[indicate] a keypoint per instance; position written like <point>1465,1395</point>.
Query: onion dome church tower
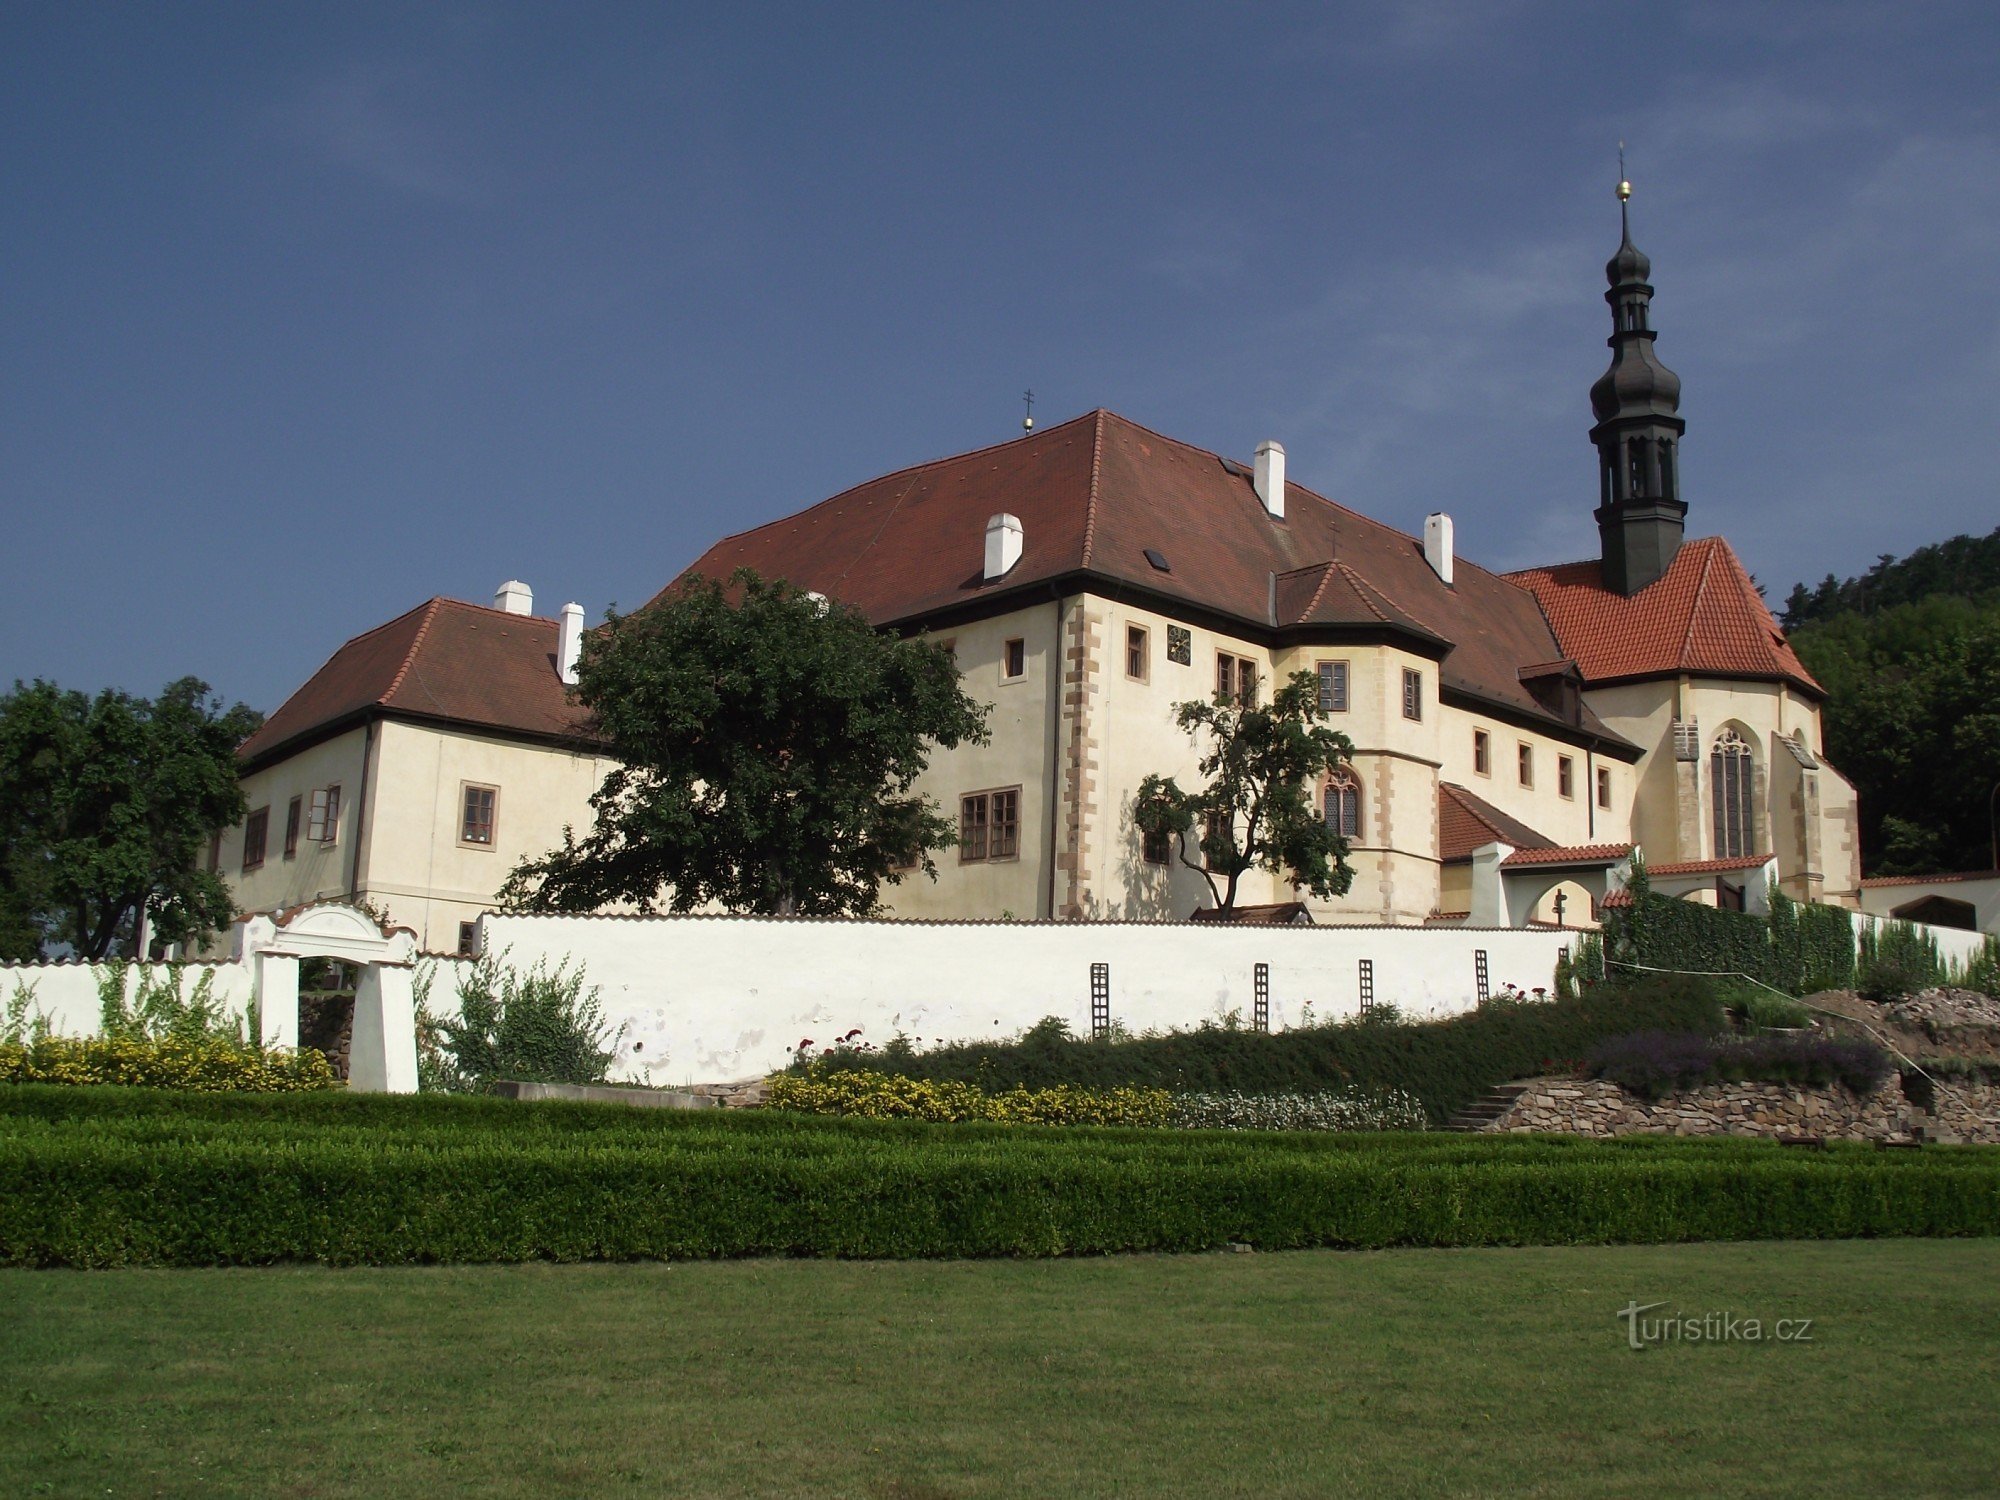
<point>1640,513</point>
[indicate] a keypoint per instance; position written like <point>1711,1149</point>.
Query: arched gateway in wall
<point>383,1055</point>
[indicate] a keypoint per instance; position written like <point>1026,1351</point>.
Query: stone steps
<point>1488,1107</point>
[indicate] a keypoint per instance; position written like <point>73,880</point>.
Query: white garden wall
<point>706,999</point>
<point>68,994</point>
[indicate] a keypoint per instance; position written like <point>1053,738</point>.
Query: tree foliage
<point>1262,766</point>
<point>1913,720</point>
<point>107,805</point>
<point>768,742</point>
<point>1965,567</point>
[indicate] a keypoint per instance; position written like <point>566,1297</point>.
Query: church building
<point>1519,738</point>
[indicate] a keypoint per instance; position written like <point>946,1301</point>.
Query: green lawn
<point>1418,1372</point>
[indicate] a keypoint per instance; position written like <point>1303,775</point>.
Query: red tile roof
<point>1465,822</point>
<point>1875,880</point>
<point>1093,495</point>
<point>444,660</point>
<point>1702,616</point>
<point>1574,854</point>
<point>1709,866</point>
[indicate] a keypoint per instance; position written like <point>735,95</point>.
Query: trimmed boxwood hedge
<point>1443,1064</point>
<point>113,1177</point>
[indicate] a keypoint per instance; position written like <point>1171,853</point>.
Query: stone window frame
<point>990,804</point>
<point>1345,779</point>
<point>1604,787</point>
<point>466,790</point>
<point>1566,777</point>
<point>1524,763</point>
<point>1336,684</point>
<point>1413,695</point>
<point>1482,753</point>
<point>1139,643</point>
<point>1014,659</point>
<point>1236,678</point>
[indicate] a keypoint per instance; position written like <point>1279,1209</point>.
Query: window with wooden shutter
<point>1413,694</point>
<point>972,828</point>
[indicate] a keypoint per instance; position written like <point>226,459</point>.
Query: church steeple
<point>1640,513</point>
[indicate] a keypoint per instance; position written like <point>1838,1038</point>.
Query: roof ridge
<point>1326,572</point>
<point>488,609</point>
<point>1096,473</point>
<point>416,645</point>
<point>929,463</point>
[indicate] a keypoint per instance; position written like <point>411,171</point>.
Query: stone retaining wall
<point>1592,1106</point>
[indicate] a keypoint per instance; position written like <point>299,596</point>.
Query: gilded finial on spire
<point>1624,187</point>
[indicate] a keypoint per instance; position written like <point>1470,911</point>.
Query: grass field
<point>1413,1372</point>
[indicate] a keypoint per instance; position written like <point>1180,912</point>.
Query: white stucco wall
<point>67,994</point>
<point>705,999</point>
<point>1981,894</point>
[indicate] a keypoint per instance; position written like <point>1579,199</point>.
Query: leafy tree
<point>1913,720</point>
<point>107,805</point>
<point>543,1026</point>
<point>767,744</point>
<point>1261,766</point>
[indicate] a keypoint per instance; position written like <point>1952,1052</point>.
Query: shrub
<point>882,1096</point>
<point>1655,1064</point>
<point>1442,1064</point>
<point>160,1006</point>
<point>537,1027</point>
<point>1769,1012</point>
<point>1330,1111</point>
<point>1897,959</point>
<point>107,1177</point>
<point>202,1063</point>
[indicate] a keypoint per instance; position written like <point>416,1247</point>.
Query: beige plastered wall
<point>414,863</point>
<point>316,870</point>
<point>1807,818</point>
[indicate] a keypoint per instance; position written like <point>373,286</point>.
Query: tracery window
<point>1731,779</point>
<point>1343,803</point>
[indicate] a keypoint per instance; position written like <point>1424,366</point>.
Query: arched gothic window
<point>1343,802</point>
<point>1730,767</point>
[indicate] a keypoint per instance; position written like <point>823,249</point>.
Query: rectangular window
<point>1236,678</point>
<point>989,826</point>
<point>1413,694</point>
<point>1603,786</point>
<point>468,937</point>
<point>254,829</point>
<point>1525,757</point>
<point>1153,847</point>
<point>1333,687</point>
<point>1565,777</point>
<point>475,824</point>
<point>1482,752</point>
<point>1215,840</point>
<point>214,852</point>
<point>323,822</point>
<point>292,816</point>
<point>1014,660</point>
<point>1135,652</point>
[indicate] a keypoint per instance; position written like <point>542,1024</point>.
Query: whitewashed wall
<point>1955,944</point>
<point>68,993</point>
<point>706,999</point>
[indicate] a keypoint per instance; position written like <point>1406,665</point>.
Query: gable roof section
<point>1093,495</point>
<point>1466,821</point>
<point>444,660</point>
<point>1703,615</point>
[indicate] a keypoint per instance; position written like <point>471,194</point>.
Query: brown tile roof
<point>445,660</point>
<point>1093,495</point>
<point>1278,913</point>
<point>1573,854</point>
<point>1465,822</point>
<point>1709,866</point>
<point>1702,616</point>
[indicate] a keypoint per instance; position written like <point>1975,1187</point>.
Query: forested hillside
<point>1910,652</point>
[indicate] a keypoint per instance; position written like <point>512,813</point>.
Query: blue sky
<point>311,312</point>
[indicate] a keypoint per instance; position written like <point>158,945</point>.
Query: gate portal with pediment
<point>383,1056</point>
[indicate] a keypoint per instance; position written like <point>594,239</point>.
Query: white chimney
<point>1437,543</point>
<point>1003,544</point>
<point>515,597</point>
<point>1271,478</point>
<point>569,641</point>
